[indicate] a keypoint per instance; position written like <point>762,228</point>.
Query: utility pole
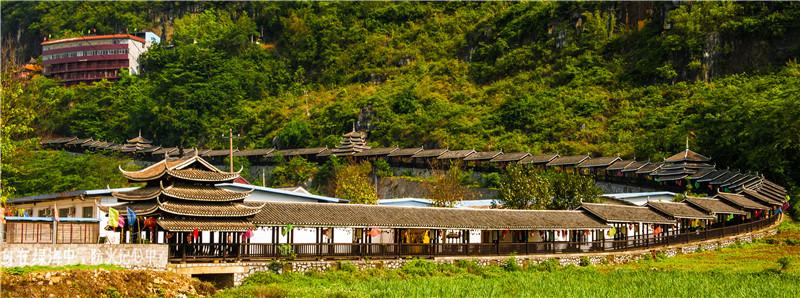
<point>230,140</point>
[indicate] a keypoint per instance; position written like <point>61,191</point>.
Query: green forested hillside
<point>633,79</point>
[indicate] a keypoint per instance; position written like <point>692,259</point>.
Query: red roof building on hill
<point>92,58</point>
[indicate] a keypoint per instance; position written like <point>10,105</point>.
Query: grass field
<point>28,269</point>
<point>767,268</point>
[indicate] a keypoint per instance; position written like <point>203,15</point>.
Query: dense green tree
<point>40,172</point>
<point>297,172</point>
<point>566,77</point>
<point>569,191</point>
<point>524,188</point>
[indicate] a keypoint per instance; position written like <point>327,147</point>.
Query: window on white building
<point>87,212</point>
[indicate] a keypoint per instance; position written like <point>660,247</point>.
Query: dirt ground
<point>102,283</point>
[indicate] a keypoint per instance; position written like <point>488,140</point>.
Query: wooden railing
<point>261,251</point>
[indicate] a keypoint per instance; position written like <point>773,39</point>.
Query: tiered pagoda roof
<point>682,165</point>
<point>136,144</point>
<point>182,193</point>
<point>352,142</point>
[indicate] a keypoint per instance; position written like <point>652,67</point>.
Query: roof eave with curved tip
<point>203,176</point>
<point>140,194</point>
<point>204,194</point>
<point>209,210</point>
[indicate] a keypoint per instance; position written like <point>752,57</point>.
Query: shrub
<point>490,180</point>
<point>785,262</point>
<point>286,250</point>
<point>511,264</point>
<point>382,168</point>
<point>262,278</point>
<point>419,267</point>
<point>548,265</point>
<point>471,267</point>
<point>275,266</point>
<point>112,292</point>
<point>347,267</point>
<point>585,261</point>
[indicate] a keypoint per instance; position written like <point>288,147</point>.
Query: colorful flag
<point>196,233</point>
<point>113,217</point>
<point>121,222</point>
<point>131,217</point>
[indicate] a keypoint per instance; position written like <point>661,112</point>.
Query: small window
<point>45,212</point>
<point>66,212</point>
<point>88,212</point>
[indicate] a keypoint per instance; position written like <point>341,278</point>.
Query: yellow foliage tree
<point>353,184</point>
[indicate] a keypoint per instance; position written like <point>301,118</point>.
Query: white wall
<point>135,49</point>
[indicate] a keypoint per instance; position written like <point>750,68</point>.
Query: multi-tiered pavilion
<point>181,195</point>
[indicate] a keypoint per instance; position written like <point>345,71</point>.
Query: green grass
<point>27,269</point>
<point>573,282</point>
<point>743,270</point>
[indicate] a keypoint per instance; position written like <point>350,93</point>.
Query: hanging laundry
<point>729,217</point>
<point>612,232</point>
<point>374,232</point>
<point>195,233</point>
<point>150,223</point>
<point>426,239</point>
<point>327,232</point>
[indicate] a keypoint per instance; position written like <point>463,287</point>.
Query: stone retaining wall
<point>134,256</point>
